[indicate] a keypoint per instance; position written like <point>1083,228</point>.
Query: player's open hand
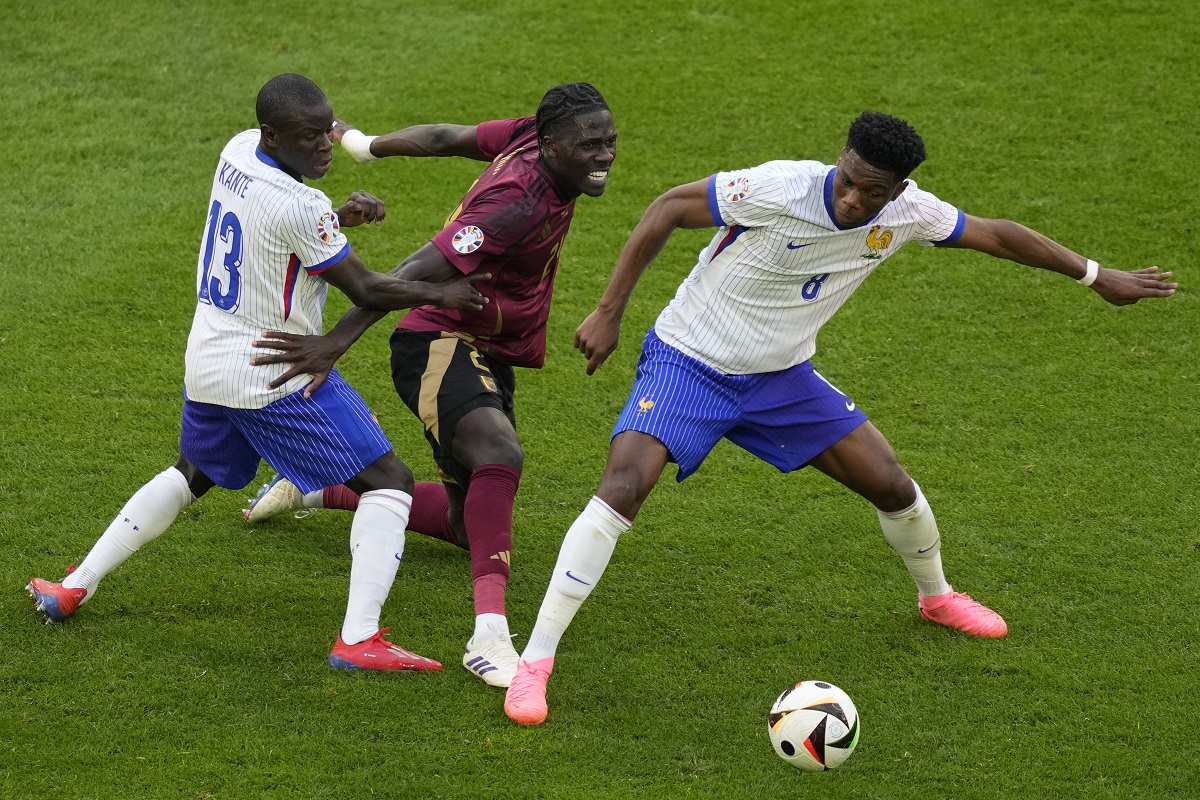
<point>597,338</point>
<point>361,207</point>
<point>312,355</point>
<point>460,292</point>
<point>1122,288</point>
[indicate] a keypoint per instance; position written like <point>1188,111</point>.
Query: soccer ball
<point>814,726</point>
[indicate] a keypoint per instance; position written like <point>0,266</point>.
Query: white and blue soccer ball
<point>814,726</point>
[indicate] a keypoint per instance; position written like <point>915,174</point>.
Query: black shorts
<point>441,377</point>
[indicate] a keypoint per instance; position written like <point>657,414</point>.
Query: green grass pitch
<point>1055,436</point>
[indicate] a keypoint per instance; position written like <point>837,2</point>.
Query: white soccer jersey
<point>781,266</point>
<point>267,238</point>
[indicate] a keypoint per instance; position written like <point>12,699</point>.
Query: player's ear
<point>900,189</point>
<point>548,147</point>
<point>268,135</point>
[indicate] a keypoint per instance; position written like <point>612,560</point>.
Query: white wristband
<point>1089,277</point>
<point>358,145</point>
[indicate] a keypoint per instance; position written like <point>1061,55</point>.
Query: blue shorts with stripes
<point>786,418</point>
<point>322,441</point>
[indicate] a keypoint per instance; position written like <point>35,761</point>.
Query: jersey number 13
<point>222,291</point>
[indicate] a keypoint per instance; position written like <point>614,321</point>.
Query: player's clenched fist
<point>362,207</point>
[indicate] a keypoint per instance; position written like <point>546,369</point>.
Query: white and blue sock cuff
<point>387,497</point>
<point>606,518</point>
<point>176,477</point>
<point>911,510</point>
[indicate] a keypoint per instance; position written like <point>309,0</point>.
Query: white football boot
<point>279,496</point>
<point>493,660</point>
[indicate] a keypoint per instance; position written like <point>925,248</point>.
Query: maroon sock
<point>430,515</point>
<point>489,593</point>
<point>341,497</point>
<point>488,517</point>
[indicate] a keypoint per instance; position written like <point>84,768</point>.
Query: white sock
<point>314,499</point>
<point>487,626</point>
<point>913,534</point>
<point>376,544</point>
<point>145,516</point>
<point>584,554</point>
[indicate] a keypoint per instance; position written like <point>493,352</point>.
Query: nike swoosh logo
<point>935,544</point>
<point>577,580</point>
<point>797,246</point>
<point>849,406</point>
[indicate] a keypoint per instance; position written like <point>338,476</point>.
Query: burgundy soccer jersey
<point>511,224</point>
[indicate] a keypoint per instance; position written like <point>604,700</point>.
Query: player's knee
<point>495,448</point>
<point>197,482</point>
<point>509,453</point>
<point>895,492</point>
<point>389,472</point>
<point>624,489</point>
<point>401,477</point>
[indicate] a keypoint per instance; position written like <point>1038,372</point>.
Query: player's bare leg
<point>635,461</point>
<point>865,463</point>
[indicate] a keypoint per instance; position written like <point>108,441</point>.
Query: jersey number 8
<point>812,287</point>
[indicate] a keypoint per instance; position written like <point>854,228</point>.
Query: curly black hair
<point>886,143</point>
<point>282,95</point>
<point>565,102</point>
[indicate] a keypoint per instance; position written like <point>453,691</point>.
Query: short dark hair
<point>565,102</point>
<point>280,96</point>
<point>886,143</point>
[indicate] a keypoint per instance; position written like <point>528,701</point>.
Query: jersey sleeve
<point>494,137</point>
<point>489,226</point>
<point>938,222</point>
<point>747,197</point>
<point>311,229</point>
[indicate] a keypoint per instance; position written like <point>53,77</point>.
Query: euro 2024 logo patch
<point>737,189</point>
<point>468,240</point>
<point>328,227</point>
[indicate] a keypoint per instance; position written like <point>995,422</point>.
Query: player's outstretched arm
<point>373,290</point>
<point>1007,239</point>
<point>417,141</point>
<point>684,206</point>
<point>426,273</point>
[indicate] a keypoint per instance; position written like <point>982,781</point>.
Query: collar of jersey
<point>270,162</point>
<point>545,172</point>
<point>829,205</point>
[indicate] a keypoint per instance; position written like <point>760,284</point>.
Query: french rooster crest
<point>877,242</point>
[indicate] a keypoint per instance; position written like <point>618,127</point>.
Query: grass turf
<point>1054,436</point>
